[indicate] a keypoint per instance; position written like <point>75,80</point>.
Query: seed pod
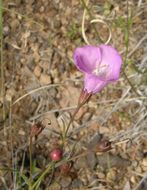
<point>56,154</point>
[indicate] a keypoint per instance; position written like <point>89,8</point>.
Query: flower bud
<point>56,154</point>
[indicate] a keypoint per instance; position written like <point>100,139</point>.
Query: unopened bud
<point>56,154</point>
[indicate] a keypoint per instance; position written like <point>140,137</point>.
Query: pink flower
<point>100,65</point>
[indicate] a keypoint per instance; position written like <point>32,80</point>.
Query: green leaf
<point>26,179</point>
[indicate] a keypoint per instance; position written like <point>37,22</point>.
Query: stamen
<point>100,70</point>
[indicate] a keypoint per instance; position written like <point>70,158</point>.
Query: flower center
<point>101,70</point>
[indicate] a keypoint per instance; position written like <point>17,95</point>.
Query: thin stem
<point>72,118</point>
<point>42,176</point>
<point>30,154</point>
<point>84,98</point>
<point>2,64</point>
<point>127,28</point>
<point>127,49</point>
<point>129,82</point>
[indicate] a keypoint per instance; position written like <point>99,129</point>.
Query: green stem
<point>36,184</point>
<point>30,153</point>
<point>72,118</point>
<point>129,82</point>
<point>127,49</point>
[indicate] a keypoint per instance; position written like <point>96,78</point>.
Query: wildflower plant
<point>100,66</point>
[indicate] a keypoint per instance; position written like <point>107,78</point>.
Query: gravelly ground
<point>39,40</point>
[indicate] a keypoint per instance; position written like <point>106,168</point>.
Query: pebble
<point>6,30</point>
<point>76,183</point>
<point>127,186</point>
<point>65,182</point>
<point>144,162</point>
<point>14,24</point>
<point>10,94</point>
<point>80,163</point>
<point>111,175</point>
<point>21,132</point>
<point>37,71</point>
<point>41,9</point>
<point>101,175</point>
<point>134,163</point>
<point>104,130</point>
<point>54,186</point>
<point>133,180</point>
<point>138,169</point>
<point>108,160</point>
<point>94,140</point>
<point>57,24</point>
<point>91,160</point>
<point>45,79</point>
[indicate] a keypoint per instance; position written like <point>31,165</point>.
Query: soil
<point>42,85</point>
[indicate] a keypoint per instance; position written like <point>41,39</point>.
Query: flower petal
<point>93,84</point>
<point>111,59</point>
<point>86,58</point>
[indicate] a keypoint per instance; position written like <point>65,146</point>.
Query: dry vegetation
<point>39,83</point>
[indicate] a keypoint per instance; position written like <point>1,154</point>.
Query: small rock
<point>91,160</point>
<point>127,186</point>
<point>57,24</point>
<point>138,169</point>
<point>94,140</point>
<point>37,71</point>
<point>133,180</point>
<point>134,163</point>
<point>14,24</point>
<point>80,163</point>
<point>45,79</point>
<point>111,175</point>
<point>104,130</point>
<point>108,160</point>
<point>65,182</point>
<point>76,183</point>
<point>54,186</point>
<point>10,94</point>
<point>41,9</point>
<point>101,175</point>
<point>144,162</point>
<point>21,132</point>
<point>6,30</point>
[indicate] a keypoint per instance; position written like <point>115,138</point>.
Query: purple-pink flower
<point>100,65</point>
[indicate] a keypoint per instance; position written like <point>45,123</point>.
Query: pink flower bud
<point>56,154</point>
